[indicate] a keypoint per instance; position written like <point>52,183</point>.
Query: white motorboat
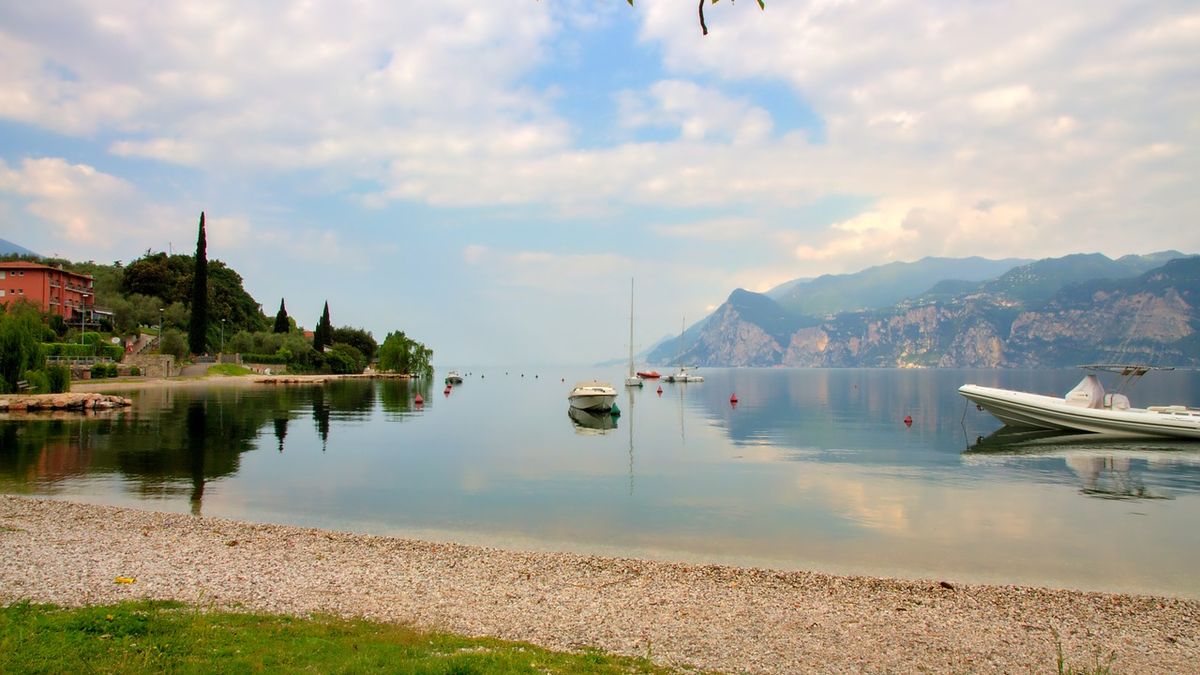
<point>594,395</point>
<point>1087,408</point>
<point>682,375</point>
<point>453,377</point>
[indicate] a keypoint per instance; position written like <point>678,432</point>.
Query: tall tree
<point>198,327</point>
<point>323,335</point>
<point>281,319</point>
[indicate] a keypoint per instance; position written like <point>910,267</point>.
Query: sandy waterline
<point>720,617</point>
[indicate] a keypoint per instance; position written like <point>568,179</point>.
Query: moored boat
<point>593,395</point>
<point>632,380</point>
<point>682,375</point>
<point>453,377</point>
<point>648,374</point>
<point>1087,408</point>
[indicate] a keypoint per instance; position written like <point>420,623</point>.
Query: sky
<point>489,176</point>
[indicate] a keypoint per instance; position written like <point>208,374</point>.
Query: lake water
<point>813,469</point>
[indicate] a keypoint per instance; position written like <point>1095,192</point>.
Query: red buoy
<point>733,398</point>
<point>908,420</point>
<point>419,400</point>
<point>660,390</point>
<point>447,391</point>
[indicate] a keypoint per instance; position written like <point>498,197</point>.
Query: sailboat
<point>682,374</point>
<point>632,380</point>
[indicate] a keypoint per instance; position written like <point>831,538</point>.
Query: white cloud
<point>1075,121</point>
<point>75,202</point>
<point>716,229</point>
<point>698,112</point>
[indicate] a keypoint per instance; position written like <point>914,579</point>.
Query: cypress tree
<point>323,335</point>
<point>198,327</point>
<point>281,319</point>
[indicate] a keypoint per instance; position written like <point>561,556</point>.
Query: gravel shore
<point>714,617</point>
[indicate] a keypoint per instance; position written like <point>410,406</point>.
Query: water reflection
<point>1104,467</point>
<point>173,443</point>
<point>591,422</point>
<point>811,469</point>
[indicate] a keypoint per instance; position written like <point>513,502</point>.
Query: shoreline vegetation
<point>678,615</point>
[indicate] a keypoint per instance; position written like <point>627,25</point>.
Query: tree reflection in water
<point>174,442</point>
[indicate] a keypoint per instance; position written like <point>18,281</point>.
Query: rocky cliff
<point>1153,317</point>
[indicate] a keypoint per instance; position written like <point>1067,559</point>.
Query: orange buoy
<point>908,420</point>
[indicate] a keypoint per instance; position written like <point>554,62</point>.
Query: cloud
<point>84,207</point>
<point>716,229</point>
<point>697,112</point>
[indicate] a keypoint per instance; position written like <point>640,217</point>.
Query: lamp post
<point>222,336</point>
<point>160,317</point>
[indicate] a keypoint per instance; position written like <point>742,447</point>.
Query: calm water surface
<point>813,469</point>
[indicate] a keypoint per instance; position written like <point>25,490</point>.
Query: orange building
<point>53,289</point>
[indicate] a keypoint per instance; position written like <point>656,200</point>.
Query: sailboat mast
<point>630,326</point>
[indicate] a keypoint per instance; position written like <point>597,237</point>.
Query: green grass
<point>228,369</point>
<point>157,636</point>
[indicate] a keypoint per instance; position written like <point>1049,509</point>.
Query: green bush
<point>60,379</point>
<point>92,338</point>
<point>135,371</point>
<point>21,337</point>
<point>99,370</point>
<point>268,359</point>
<point>345,359</point>
<point>112,370</point>
<point>172,342</point>
<point>76,350</point>
<point>39,382</point>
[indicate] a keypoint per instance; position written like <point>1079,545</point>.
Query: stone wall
<point>153,365</point>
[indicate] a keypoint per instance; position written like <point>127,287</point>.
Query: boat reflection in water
<point>591,421</point>
<point>1105,466</point>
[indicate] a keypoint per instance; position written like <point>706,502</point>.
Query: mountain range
<point>966,312</point>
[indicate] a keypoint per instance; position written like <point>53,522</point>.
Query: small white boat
<point>682,375</point>
<point>453,377</point>
<point>594,395</point>
<point>1087,408</point>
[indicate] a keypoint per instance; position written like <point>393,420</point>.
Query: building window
<point>3,274</point>
<point>1,293</point>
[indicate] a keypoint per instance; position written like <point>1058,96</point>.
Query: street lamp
<point>222,336</point>
<point>160,315</point>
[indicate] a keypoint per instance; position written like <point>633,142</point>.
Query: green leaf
<point>761,4</point>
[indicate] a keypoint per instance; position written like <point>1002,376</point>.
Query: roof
<point>20,264</point>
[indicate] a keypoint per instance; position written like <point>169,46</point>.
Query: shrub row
<point>267,359</point>
<point>104,370</point>
<point>74,350</point>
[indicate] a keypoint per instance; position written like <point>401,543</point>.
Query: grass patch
<point>229,369</point>
<point>153,635</point>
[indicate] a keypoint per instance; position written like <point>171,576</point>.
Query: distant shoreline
<point>711,616</point>
<point>128,384</point>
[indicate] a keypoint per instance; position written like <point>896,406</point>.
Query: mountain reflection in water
<point>813,469</point>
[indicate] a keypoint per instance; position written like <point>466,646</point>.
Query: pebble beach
<point>713,617</point>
